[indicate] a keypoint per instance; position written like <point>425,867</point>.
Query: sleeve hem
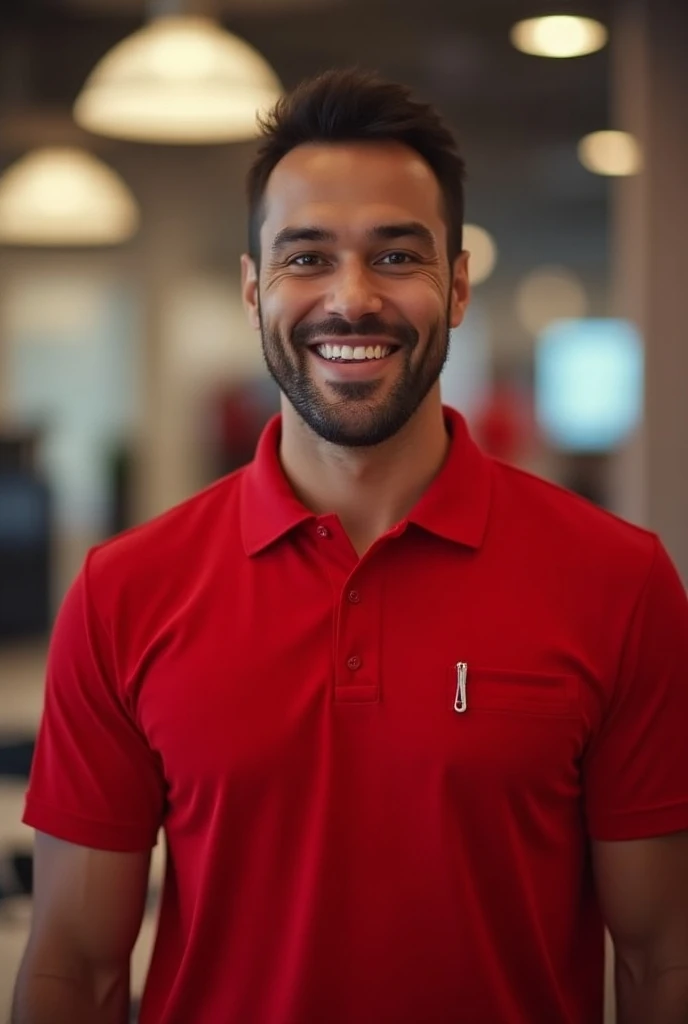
<point>640,824</point>
<point>84,832</point>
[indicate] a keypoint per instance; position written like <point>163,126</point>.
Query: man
<point>414,722</point>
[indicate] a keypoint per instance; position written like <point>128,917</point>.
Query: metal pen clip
<point>460,701</point>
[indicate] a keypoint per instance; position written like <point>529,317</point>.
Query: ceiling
<point>517,118</point>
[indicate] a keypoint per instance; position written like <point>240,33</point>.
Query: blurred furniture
<point>24,541</point>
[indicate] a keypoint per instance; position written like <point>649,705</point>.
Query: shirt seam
<point>113,683</point>
<point>628,633</point>
<point>90,603</point>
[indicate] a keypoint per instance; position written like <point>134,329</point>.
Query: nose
<point>352,293</point>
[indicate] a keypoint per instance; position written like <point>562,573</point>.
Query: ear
<point>249,290</point>
<point>460,289</point>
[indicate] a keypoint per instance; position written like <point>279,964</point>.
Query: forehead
<point>345,185</point>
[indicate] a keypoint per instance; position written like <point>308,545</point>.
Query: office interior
<point>129,376</point>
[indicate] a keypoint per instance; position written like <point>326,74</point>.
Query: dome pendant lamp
<point>181,79</point>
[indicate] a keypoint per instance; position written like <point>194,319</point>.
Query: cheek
<point>423,302</point>
<point>290,301</point>
<point>425,317</point>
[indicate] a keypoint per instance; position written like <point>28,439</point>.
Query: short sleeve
<point>636,769</point>
<point>94,779</point>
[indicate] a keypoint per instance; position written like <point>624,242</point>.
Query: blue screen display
<point>589,383</point>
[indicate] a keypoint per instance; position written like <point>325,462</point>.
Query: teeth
<point>360,353</point>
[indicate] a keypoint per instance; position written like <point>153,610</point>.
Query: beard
<point>355,417</point>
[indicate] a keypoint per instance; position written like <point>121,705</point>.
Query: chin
<point>356,431</point>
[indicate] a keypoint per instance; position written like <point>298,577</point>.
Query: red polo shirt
<point>345,846</point>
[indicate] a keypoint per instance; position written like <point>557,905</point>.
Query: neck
<point>369,489</point>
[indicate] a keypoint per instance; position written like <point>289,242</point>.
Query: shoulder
<point>171,547</point>
<point>573,531</point>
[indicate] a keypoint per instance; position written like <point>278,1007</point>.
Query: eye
<point>396,259</point>
<point>305,259</point>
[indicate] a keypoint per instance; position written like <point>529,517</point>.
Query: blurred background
<point>129,378</point>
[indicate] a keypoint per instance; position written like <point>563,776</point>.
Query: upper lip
<point>353,341</point>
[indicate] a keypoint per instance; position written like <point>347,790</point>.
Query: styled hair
<point>357,106</point>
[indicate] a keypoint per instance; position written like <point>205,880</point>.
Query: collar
<point>455,506</point>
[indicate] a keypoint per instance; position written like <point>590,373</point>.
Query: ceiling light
<point>616,154</point>
<point>483,253</point>
<point>548,294</point>
<point>559,35</point>
<point>179,79</point>
<point>64,196</point>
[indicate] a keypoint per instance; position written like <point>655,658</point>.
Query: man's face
<point>355,296</point>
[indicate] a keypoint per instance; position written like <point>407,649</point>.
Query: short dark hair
<point>357,106</point>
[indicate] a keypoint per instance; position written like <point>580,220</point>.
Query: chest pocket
<point>519,741</point>
<point>500,691</point>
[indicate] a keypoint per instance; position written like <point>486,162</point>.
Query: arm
<point>88,907</point>
<point>643,891</point>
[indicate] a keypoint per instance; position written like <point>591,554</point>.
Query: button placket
<point>354,662</point>
<point>357,652</point>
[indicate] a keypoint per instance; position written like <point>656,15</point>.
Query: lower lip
<point>363,369</point>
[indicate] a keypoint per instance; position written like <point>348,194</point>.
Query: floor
<point>21,695</point>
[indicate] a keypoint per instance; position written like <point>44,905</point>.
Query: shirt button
<point>354,597</point>
<point>323,532</point>
<point>354,663</point>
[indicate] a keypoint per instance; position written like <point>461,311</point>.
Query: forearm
<point>63,997</point>
<point>652,997</point>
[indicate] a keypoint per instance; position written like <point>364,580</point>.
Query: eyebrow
<point>287,236</point>
<point>409,229</point>
<point>381,232</point>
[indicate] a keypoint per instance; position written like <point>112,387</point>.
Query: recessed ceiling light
<point>559,35</point>
<point>483,252</point>
<point>547,294</point>
<point>615,154</point>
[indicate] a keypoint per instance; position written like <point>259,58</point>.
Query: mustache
<point>402,334</point>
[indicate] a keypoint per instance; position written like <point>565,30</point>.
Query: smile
<point>349,354</point>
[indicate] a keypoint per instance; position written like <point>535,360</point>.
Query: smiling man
<point>355,364</point>
<point>413,721</point>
